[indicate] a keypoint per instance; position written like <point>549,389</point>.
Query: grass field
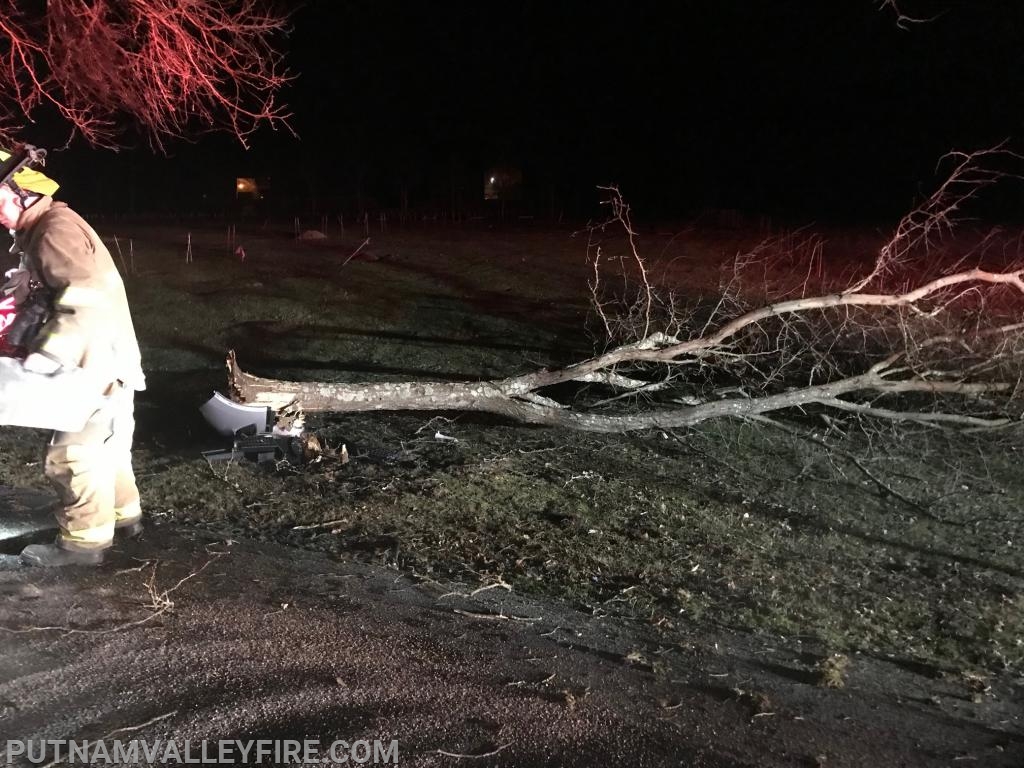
<point>729,524</point>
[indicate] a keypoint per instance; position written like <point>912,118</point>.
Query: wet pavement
<point>184,635</point>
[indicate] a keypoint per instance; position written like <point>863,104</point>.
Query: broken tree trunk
<point>842,349</point>
<point>514,398</point>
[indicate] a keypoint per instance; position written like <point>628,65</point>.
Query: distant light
<point>241,185</point>
<point>492,179</point>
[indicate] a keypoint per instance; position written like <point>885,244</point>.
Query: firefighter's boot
<point>57,556</point>
<point>128,527</point>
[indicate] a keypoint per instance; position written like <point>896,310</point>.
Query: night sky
<point>817,109</point>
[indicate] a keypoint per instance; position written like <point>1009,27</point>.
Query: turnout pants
<point>92,471</point>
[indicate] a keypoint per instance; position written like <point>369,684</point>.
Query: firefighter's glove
<point>40,363</point>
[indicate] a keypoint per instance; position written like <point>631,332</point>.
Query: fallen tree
<point>897,343</point>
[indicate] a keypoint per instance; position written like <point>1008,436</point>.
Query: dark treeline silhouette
<point>809,111</point>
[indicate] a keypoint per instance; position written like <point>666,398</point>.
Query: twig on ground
<point>312,526</point>
<point>461,756</point>
<point>524,683</point>
<point>353,254</point>
<point>161,600</point>
<point>882,484</point>
<point>497,616</point>
<point>160,603</point>
<point>126,729</point>
<point>431,422</point>
<point>140,726</point>
<point>500,583</point>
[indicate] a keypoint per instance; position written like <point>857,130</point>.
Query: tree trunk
<point>514,398</point>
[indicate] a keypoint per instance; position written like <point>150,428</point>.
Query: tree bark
<point>513,398</point>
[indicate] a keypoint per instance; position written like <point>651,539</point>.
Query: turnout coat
<point>88,331</point>
<point>90,326</point>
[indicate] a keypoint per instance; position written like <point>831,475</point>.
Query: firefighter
<point>88,326</point>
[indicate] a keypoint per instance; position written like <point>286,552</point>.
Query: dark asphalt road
<point>184,636</point>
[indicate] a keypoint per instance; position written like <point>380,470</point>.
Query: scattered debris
<point>831,671</point>
<point>756,700</point>
<point>260,447</point>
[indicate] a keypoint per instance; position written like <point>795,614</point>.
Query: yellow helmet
<point>31,180</point>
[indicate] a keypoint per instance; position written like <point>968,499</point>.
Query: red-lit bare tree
<point>916,338</point>
<point>173,68</point>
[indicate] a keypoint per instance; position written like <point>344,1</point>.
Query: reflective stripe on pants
<point>92,472</point>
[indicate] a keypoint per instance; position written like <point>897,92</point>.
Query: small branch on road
<point>461,756</point>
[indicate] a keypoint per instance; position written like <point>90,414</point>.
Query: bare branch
<point>173,67</point>
<point>939,213</point>
<point>904,20</point>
